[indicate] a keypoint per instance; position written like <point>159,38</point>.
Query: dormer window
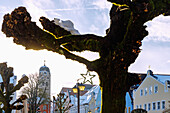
<point>167,85</point>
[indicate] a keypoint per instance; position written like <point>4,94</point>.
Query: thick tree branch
<point>72,56</point>
<point>21,83</point>
<point>119,1</point>
<point>53,28</point>
<point>82,42</point>
<point>26,33</point>
<point>72,42</point>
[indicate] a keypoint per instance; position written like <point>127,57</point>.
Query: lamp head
<point>81,87</point>
<point>75,90</point>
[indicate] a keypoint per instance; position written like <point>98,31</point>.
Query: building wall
<point>45,108</point>
<point>45,76</point>
<point>146,95</point>
<point>128,107</point>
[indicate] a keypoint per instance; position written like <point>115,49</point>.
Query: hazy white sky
<point>88,16</point>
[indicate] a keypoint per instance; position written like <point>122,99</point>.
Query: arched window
<point>44,107</point>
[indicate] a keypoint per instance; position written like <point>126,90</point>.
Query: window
<point>153,106</point>
<point>146,90</point>
<point>46,83</point>
<point>149,107</point>
<point>158,105</point>
<point>150,90</point>
<point>141,92</point>
<point>136,106</point>
<point>44,107</point>
<point>145,107</point>
<point>163,104</point>
<point>42,83</point>
<point>156,89</point>
<point>140,106</point>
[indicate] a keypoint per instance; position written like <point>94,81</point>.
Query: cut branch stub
<point>19,26</point>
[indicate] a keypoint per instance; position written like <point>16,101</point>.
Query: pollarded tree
<point>35,92</point>
<point>7,89</point>
<point>117,50</point>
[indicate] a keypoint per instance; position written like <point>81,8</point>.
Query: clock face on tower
<point>45,73</point>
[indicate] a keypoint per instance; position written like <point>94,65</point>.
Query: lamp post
<point>89,111</point>
<point>76,89</point>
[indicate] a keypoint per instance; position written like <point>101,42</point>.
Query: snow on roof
<point>162,78</point>
<point>87,96</point>
<point>67,25</point>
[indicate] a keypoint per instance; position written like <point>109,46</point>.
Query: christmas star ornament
<point>88,77</point>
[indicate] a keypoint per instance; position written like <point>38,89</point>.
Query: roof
<point>87,88</point>
<point>87,96</point>
<point>67,25</point>
<point>162,78</point>
<point>158,77</point>
<point>44,68</point>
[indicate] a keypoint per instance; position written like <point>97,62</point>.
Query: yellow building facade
<point>153,94</point>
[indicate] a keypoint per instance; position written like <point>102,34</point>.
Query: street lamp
<point>76,89</point>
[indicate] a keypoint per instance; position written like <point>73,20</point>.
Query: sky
<point>88,16</point>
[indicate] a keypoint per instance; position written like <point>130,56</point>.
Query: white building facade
<point>153,94</point>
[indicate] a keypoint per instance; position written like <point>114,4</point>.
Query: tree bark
<point>7,108</point>
<point>113,87</point>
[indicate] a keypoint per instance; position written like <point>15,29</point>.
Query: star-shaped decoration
<point>88,77</point>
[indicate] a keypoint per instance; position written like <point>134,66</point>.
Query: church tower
<point>45,76</point>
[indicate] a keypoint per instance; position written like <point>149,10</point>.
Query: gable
<point>147,83</point>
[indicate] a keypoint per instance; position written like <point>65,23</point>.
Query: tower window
<point>46,83</point>
<point>44,107</point>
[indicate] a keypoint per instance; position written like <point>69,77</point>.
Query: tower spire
<point>149,67</point>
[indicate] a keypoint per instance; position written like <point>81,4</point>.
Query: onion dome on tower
<point>44,68</point>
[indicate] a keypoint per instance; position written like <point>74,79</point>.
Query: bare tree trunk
<point>114,87</point>
<point>7,108</point>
